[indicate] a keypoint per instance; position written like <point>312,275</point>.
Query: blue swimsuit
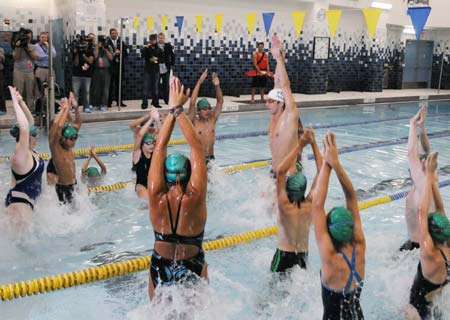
<point>28,186</point>
<point>344,304</point>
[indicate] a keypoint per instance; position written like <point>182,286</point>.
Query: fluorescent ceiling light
<point>381,5</point>
<point>409,31</point>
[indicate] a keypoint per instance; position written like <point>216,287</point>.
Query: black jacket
<point>116,59</point>
<point>168,56</point>
<point>149,52</point>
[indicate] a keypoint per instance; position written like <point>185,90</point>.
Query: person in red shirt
<point>261,65</point>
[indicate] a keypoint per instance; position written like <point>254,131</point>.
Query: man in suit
<point>152,54</point>
<point>114,43</point>
<point>165,65</point>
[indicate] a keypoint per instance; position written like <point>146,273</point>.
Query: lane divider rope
<point>122,147</point>
<point>110,270</point>
<point>265,163</point>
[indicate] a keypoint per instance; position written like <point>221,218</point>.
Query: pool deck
<point>242,103</point>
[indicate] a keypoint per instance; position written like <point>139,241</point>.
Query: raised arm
<point>197,181</point>
<point>415,165</point>
<point>138,140</point>
<point>281,76</point>
<point>427,247</point>
<point>99,161</point>
<point>193,101</point>
<point>22,155</point>
<point>25,109</point>
<point>317,158</point>
<point>424,141</point>
<point>73,102</point>
<point>86,164</point>
<point>331,157</point>
<point>136,122</point>
<point>58,123</point>
<point>324,242</point>
<point>219,96</point>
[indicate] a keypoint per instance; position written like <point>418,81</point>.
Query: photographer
<point>152,55</point>
<point>24,55</point>
<point>102,76</point>
<point>82,70</point>
<point>165,65</point>
<point>41,72</point>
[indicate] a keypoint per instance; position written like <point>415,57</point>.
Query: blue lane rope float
<point>97,273</point>
<point>123,147</point>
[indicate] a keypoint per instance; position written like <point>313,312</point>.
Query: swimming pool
<point>114,225</point>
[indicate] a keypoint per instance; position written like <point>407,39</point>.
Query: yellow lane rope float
<point>105,149</point>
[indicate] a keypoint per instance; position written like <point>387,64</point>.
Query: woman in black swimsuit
<point>341,242</point>
<point>433,271</point>
<point>177,196</point>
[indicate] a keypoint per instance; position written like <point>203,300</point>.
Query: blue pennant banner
<point>419,16</point>
<point>180,20</point>
<point>268,18</point>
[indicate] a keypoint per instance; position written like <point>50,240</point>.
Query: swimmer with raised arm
<point>433,271</point>
<point>177,199</point>
<point>283,111</point>
<point>204,120</point>
<point>62,139</point>
<point>92,173</point>
<point>341,242</point>
<point>417,152</point>
<point>294,209</point>
<point>26,166</point>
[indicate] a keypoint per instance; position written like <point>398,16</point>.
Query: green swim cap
<point>92,172</point>
<point>148,137</point>
<point>203,104</point>
<point>15,130</point>
<point>177,163</point>
<point>68,131</point>
<point>423,156</point>
<point>439,227</point>
<point>340,224</point>
<point>296,186</point>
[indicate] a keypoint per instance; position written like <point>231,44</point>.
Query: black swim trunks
<point>409,245</point>
<point>283,260</point>
<point>165,271</point>
<point>65,192</point>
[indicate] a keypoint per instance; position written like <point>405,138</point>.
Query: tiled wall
<point>356,62</point>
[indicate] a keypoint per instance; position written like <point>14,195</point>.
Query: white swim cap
<point>277,95</point>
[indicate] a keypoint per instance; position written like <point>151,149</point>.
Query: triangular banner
<point>372,16</point>
<point>180,20</point>
<point>135,23</point>
<point>219,21</point>
<point>299,18</point>
<point>164,20</point>
<point>268,18</point>
<point>251,20</point>
<point>333,16</point>
<point>199,21</point>
<point>419,17</point>
<point>149,23</point>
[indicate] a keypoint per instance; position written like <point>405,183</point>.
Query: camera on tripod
<point>23,35</point>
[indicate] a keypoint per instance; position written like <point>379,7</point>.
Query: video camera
<point>23,36</point>
<point>103,40</point>
<point>81,43</point>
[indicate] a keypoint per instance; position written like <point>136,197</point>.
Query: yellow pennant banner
<point>199,21</point>
<point>372,16</point>
<point>135,23</point>
<point>164,20</point>
<point>333,16</point>
<point>149,23</point>
<point>219,21</point>
<point>251,20</point>
<point>299,18</point>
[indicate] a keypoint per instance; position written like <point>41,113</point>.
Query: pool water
<point>112,226</point>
